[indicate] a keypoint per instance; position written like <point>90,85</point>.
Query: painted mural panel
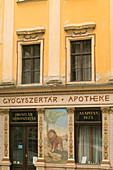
<point>56,135</point>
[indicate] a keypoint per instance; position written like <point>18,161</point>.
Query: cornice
<point>78,29</point>
<point>28,33</point>
<point>63,89</point>
<point>87,25</point>
<point>24,1</point>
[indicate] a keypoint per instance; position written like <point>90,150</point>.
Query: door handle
<point>26,155</point>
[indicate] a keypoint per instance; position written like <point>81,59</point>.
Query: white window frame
<point>68,57</point>
<point>19,66</point>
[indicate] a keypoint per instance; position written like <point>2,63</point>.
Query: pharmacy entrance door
<point>23,146</point>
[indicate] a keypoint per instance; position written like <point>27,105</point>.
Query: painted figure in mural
<point>54,140</point>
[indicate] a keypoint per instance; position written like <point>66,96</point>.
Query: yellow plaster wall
<point>35,14</point>
<point>1,35</point>
<point>98,11</point>
<point>30,15</point>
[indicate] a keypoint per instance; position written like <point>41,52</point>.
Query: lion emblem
<point>54,140</point>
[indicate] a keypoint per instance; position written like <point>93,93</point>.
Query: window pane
<point>86,61</point>
<point>76,68</point>
<point>76,75</point>
<point>36,64</point>
<point>86,45</point>
<point>75,47</point>
<point>17,145</point>
<point>26,51</point>
<point>36,50</point>
<point>36,77</point>
<point>97,145</point>
<point>32,144</point>
<point>26,65</point>
<point>89,144</point>
<point>27,77</point>
<point>87,74</point>
<point>86,67</point>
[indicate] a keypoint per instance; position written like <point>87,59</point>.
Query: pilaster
<point>6,161</point>
<point>105,131</point>
<point>40,161</point>
<point>54,40</point>
<point>71,158</point>
<point>8,41</point>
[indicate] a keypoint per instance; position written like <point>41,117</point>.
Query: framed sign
<point>23,116</point>
<point>88,114</point>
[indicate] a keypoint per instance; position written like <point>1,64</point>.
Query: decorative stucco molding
<point>81,28</point>
<point>30,33</point>
<point>40,136</point>
<point>71,159</point>
<point>6,137</point>
<point>105,125</point>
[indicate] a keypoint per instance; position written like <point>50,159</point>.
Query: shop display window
<point>88,136</point>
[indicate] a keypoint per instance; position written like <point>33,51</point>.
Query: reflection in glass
<point>17,145</point>
<point>87,46</point>
<point>75,47</point>
<point>36,50</point>
<point>27,51</point>
<point>26,65</point>
<point>27,77</point>
<point>36,77</point>
<point>32,144</point>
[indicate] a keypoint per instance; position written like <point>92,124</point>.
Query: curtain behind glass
<point>84,144</point>
<point>97,145</point>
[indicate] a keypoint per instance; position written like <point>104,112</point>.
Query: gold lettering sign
<point>24,117</point>
<point>88,115</point>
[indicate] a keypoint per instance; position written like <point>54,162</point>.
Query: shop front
<point>64,131</point>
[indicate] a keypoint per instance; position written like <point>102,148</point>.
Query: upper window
<point>30,64</point>
<point>81,60</point>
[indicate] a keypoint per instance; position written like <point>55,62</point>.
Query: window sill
<point>81,82</point>
<point>94,166</point>
<point>23,1</point>
<point>29,85</point>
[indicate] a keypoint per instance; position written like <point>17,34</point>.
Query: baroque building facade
<point>56,84</point>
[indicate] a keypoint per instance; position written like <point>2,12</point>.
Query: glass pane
<point>26,51</point>
<point>86,61</point>
<point>76,75</point>
<point>17,145</point>
<point>36,50</point>
<point>77,62</point>
<point>97,145</point>
<point>89,145</point>
<point>32,144</point>
<point>75,47</point>
<point>36,76</point>
<point>36,64</point>
<point>86,46</point>
<point>27,77</point>
<point>76,68</point>
<point>87,74</point>
<point>26,65</point>
<point>87,67</point>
